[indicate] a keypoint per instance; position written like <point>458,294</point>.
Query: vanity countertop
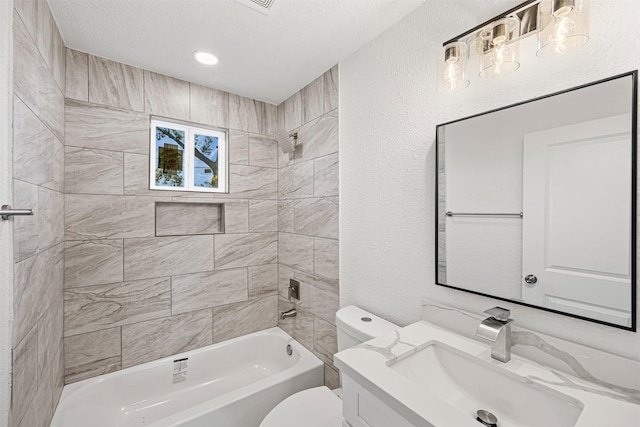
<point>368,364</point>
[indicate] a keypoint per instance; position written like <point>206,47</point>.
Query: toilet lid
<point>315,407</point>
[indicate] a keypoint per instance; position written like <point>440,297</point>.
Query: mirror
<point>536,202</point>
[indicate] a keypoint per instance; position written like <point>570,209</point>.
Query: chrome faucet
<point>288,313</point>
<point>497,329</point>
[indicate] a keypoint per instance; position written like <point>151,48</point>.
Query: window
<point>187,158</point>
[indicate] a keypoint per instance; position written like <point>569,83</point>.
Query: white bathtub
<point>231,384</point>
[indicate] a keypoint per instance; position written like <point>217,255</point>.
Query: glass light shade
<point>452,67</point>
<point>563,27</point>
<point>500,48</point>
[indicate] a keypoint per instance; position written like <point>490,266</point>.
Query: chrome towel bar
<point>6,212</point>
<point>508,215</point>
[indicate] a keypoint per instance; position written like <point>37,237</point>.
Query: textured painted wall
<point>308,218</point>
<point>389,108</point>
<point>38,138</point>
<point>145,281</point>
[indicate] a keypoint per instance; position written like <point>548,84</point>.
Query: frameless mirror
<point>536,202</point>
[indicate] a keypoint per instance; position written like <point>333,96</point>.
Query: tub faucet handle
<point>294,289</point>
<point>498,313</point>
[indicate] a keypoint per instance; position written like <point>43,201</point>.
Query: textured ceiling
<point>265,57</point>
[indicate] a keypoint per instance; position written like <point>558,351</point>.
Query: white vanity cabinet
<point>360,408</point>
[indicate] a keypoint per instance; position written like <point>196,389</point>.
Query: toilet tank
<point>356,326</point>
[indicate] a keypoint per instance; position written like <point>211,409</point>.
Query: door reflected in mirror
<point>536,202</point>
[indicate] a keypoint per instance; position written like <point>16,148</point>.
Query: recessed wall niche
<point>180,219</point>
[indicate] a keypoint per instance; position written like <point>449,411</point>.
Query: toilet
<point>320,406</point>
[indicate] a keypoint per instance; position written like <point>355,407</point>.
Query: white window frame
<point>190,130</point>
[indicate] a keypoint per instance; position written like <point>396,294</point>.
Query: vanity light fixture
<point>564,27</point>
<point>561,27</point>
<point>452,67</point>
<point>205,58</point>
<point>500,48</point>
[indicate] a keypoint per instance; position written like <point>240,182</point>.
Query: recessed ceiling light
<point>205,57</point>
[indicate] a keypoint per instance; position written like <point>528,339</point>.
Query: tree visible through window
<point>187,158</point>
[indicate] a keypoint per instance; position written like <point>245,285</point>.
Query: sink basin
<point>471,384</point>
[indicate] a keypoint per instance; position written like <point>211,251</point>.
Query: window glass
<point>205,171</point>
<point>170,157</point>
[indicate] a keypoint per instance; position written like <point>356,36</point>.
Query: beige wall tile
<point>93,262</point>
<point>263,215</point>
<point>313,100</point>
<point>263,151</point>
<point>59,61</point>
<point>236,216</point>
<point>234,320</point>
<point>40,409</point>
<point>319,296</point>
<point>331,89</point>
<point>325,176</point>
<point>45,31</point>
<point>296,251</point>
<point>25,374</point>
<point>77,75</point>
<point>92,171</point>
<point>317,217</point>
<point>26,61</point>
<point>326,258</point>
<point>115,84</point>
<point>166,96</point>
<point>106,128</point>
<point>104,217</point>
<point>92,308</point>
<point>253,182</point>
<point>238,147</point>
<point>263,280</point>
<point>92,354</point>
<point>245,114</point>
<point>286,214</point>
<point>245,249</point>
<point>331,377</point>
<point>27,296</point>
<point>50,332</point>
<point>192,292</point>
<point>50,102</point>
<point>325,340</point>
<point>293,112</point>
<point>209,106</point>
<point>296,181</point>
<point>318,137</point>
<point>146,341</point>
<point>166,256</point>
<point>269,119</point>
<point>280,116</point>
<point>28,12</point>
<point>33,145</point>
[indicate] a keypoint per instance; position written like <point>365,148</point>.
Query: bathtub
<point>233,383</point>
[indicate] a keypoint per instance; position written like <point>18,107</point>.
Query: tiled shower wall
<point>38,155</point>
<point>308,218</point>
<point>136,288</point>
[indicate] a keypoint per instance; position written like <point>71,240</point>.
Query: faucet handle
<point>498,313</point>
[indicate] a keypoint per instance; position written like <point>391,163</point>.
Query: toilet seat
<point>314,407</point>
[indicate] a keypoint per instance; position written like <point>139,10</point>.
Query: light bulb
<point>562,29</point>
<point>452,73</point>
<point>498,56</point>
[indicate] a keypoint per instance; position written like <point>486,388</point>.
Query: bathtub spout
<point>288,313</point>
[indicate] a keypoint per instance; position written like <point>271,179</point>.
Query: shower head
<point>286,141</point>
